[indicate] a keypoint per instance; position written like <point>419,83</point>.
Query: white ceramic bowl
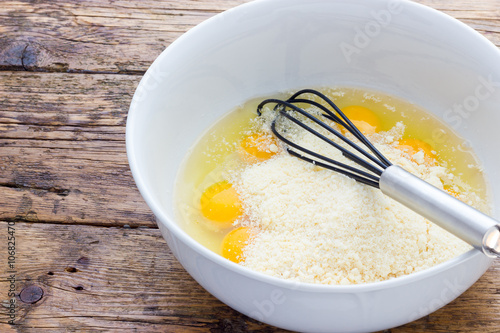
<point>265,47</point>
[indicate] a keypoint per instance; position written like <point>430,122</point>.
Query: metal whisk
<point>462,220</point>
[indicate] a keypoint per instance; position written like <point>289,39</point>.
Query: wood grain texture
<point>68,69</point>
<point>62,149</point>
<point>126,280</point>
<point>126,36</point>
<point>97,279</point>
<point>95,36</point>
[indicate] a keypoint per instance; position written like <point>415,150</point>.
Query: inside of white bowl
<point>394,47</point>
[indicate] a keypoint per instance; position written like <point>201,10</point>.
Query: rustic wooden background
<point>88,254</point>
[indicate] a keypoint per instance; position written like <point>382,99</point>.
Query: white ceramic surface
<point>268,46</point>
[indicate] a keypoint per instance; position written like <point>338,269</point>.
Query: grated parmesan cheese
<point>319,226</point>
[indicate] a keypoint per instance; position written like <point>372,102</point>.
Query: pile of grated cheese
<point>319,226</point>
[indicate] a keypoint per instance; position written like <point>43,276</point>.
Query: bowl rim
<point>184,237</point>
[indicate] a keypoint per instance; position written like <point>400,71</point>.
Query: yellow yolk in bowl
<point>451,191</point>
<point>234,243</point>
<point>221,203</point>
<point>258,147</point>
<point>363,118</point>
<point>413,146</point>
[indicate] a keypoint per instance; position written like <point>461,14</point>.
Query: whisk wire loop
<point>339,121</point>
<point>344,151</point>
<point>284,108</point>
<point>324,158</point>
<point>361,179</point>
<point>351,128</point>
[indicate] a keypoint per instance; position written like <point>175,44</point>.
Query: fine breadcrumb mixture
<point>315,225</point>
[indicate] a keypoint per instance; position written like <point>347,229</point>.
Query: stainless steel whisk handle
<point>451,214</point>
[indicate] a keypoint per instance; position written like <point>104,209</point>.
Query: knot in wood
<point>31,294</point>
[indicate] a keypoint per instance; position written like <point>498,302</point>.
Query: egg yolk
<point>451,191</point>
<point>363,118</point>
<point>413,146</point>
<point>220,203</point>
<point>234,243</point>
<point>258,147</point>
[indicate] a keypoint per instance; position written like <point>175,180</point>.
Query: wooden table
<point>88,255</point>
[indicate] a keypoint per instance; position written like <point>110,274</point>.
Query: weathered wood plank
<point>71,100</point>
<point>119,36</point>
<point>482,16</point>
<point>126,36</point>
<point>62,155</point>
<point>99,279</point>
<point>122,279</point>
